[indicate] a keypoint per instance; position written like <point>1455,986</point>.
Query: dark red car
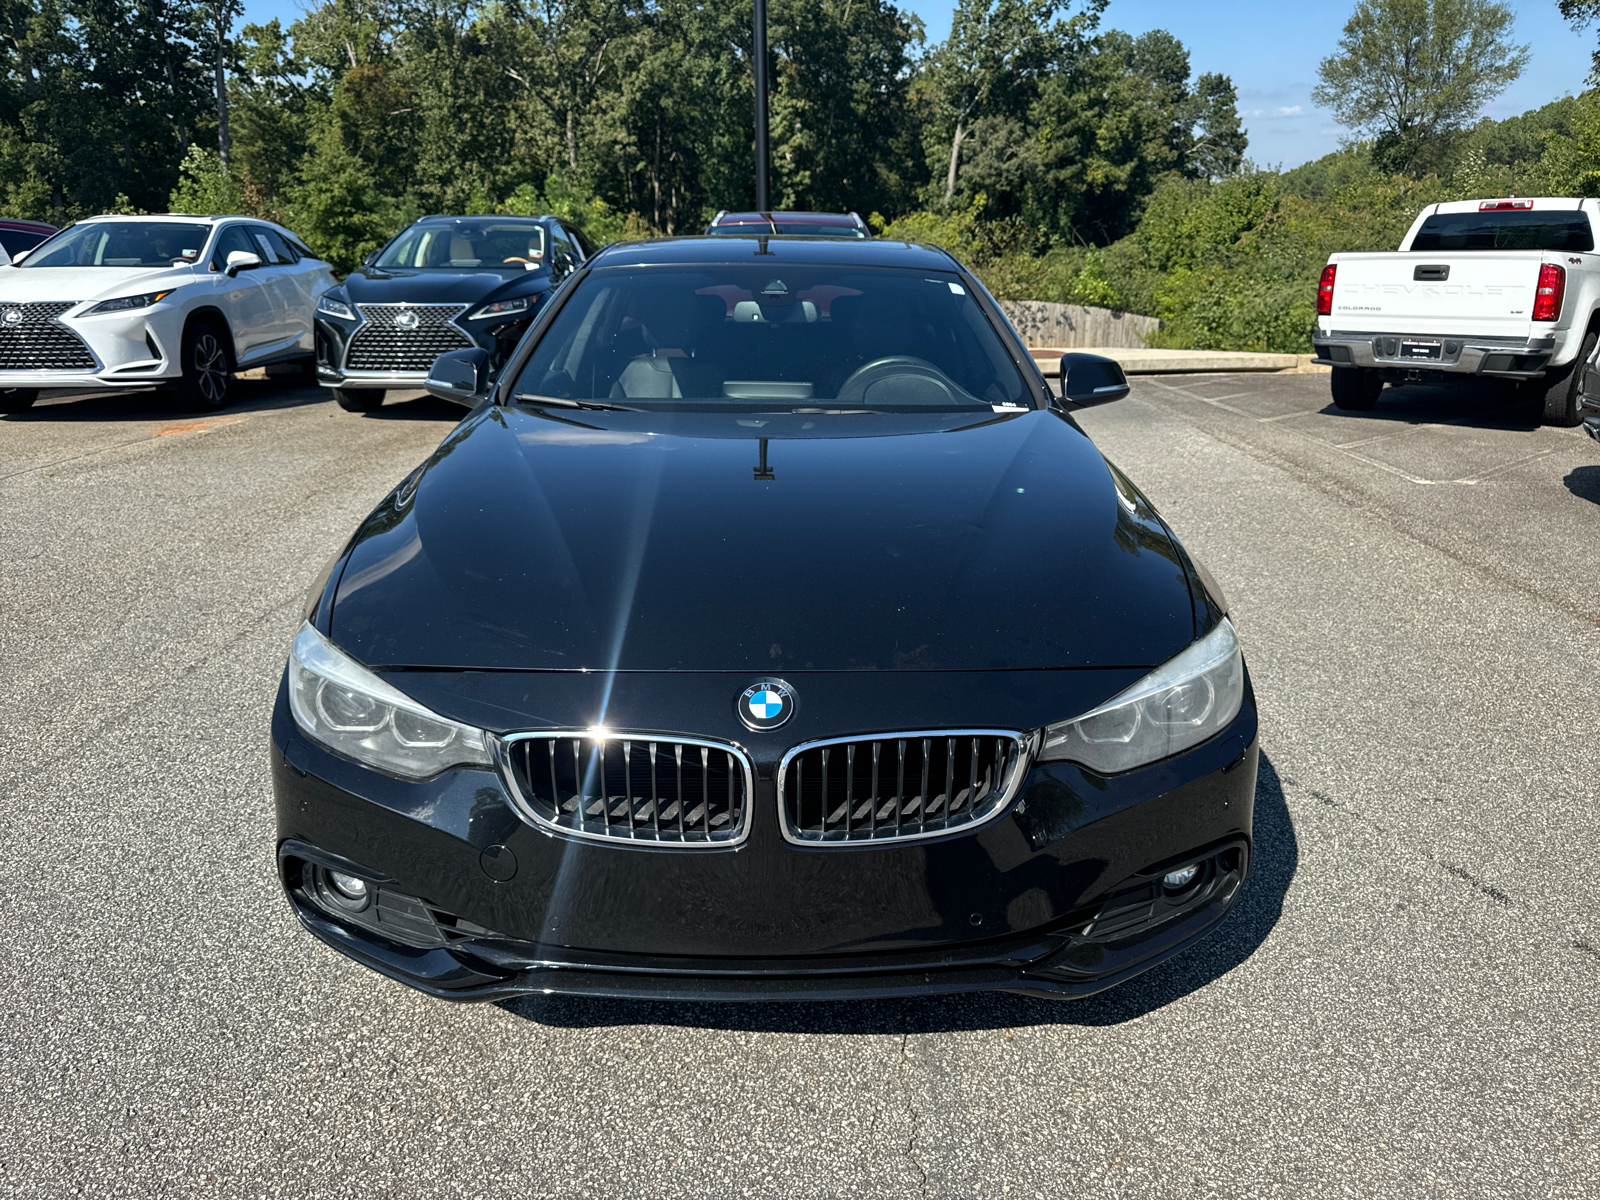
<point>804,224</point>
<point>17,236</point>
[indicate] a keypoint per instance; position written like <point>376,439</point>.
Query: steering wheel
<point>926,383</point>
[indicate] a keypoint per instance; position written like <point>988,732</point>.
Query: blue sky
<point>1271,49</point>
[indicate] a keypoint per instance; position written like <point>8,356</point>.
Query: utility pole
<point>761,104</point>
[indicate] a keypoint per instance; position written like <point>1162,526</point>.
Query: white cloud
<point>1290,110</point>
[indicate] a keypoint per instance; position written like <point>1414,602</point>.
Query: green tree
<point>1580,13</point>
<point>1411,72</point>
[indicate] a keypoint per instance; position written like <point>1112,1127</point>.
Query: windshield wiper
<point>556,402</point>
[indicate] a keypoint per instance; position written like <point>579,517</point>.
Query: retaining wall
<point>1069,325</point>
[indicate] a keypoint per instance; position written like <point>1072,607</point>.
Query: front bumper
<point>1500,358</point>
<point>128,350</point>
<point>334,335</point>
<point>1061,896</point>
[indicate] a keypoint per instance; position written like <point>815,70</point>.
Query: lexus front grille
<point>661,791</point>
<point>405,337</point>
<point>902,785</point>
<point>34,340</point>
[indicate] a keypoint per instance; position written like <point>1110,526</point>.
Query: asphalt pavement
<point>1405,1001</point>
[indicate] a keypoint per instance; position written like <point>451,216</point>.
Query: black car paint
<point>444,592</point>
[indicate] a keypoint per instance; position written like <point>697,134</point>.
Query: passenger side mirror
<point>242,260</point>
<point>461,377</point>
<point>1091,379</point>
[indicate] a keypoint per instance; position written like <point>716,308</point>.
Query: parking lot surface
<point>1404,1002</point>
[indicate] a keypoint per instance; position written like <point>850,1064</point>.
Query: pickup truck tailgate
<point>1475,294</point>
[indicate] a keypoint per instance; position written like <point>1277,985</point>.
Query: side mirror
<point>1091,379</point>
<point>372,257</point>
<point>461,377</point>
<point>242,260</point>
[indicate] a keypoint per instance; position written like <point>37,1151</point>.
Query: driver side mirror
<point>242,260</point>
<point>1091,379</point>
<point>461,377</point>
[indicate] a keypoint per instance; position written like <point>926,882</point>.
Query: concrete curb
<point>1176,362</point>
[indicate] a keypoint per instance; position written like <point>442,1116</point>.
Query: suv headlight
<point>124,303</point>
<point>502,308</point>
<point>340,704</point>
<point>334,308</point>
<point>1179,704</point>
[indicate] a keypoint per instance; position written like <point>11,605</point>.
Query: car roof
<point>482,217</point>
<point>848,220</point>
<point>745,248</point>
<point>26,226</point>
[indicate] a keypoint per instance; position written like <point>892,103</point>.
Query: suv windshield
<point>122,244</point>
<point>1524,230</point>
<point>462,245</point>
<point>774,338</point>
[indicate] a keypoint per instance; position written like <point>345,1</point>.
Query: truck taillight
<point>1325,290</point>
<point>1547,296</point>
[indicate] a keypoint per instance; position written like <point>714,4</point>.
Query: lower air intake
<point>904,785</point>
<point>661,791</point>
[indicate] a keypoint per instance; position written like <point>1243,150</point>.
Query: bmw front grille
<point>899,786</point>
<point>664,791</point>
<point>405,337</point>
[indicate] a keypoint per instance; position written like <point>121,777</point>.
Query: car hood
<point>22,284</point>
<point>643,541</point>
<point>371,285</point>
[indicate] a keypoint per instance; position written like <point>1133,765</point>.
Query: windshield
<point>122,244</point>
<point>792,228</point>
<point>458,245</point>
<point>1525,230</point>
<point>774,338</point>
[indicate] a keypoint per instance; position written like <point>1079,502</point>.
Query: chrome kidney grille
<point>404,337</point>
<point>898,786</point>
<point>680,792</point>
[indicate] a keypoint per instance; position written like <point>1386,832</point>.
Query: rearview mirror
<point>1091,379</point>
<point>242,260</point>
<point>461,377</point>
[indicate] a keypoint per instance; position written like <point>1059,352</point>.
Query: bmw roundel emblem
<point>766,704</point>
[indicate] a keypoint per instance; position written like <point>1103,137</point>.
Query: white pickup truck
<point>1502,289</point>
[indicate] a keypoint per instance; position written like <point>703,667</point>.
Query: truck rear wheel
<point>1355,388</point>
<point>1561,387</point>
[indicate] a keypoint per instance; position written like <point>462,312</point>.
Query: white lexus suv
<point>127,302</point>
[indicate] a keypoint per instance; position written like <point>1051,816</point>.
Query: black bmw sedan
<point>442,284</point>
<point>769,629</point>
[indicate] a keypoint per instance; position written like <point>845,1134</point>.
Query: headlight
<point>502,308</point>
<point>1178,705</point>
<point>348,709</point>
<point>124,303</point>
<point>335,308</point>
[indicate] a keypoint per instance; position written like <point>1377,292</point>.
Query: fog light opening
<point>339,891</point>
<point>1176,881</point>
<point>348,886</point>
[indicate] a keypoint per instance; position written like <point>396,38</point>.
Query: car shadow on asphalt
<point>419,408</point>
<point>1584,482</point>
<point>149,404</point>
<point>1276,858</point>
<point>1487,405</point>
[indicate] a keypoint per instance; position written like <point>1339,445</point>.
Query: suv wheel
<point>358,399</point>
<point>207,373</point>
<point>1355,388</point>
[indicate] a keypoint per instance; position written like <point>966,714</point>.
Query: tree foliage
<point>1410,72</point>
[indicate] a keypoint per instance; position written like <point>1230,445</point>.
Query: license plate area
<point>1425,351</point>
